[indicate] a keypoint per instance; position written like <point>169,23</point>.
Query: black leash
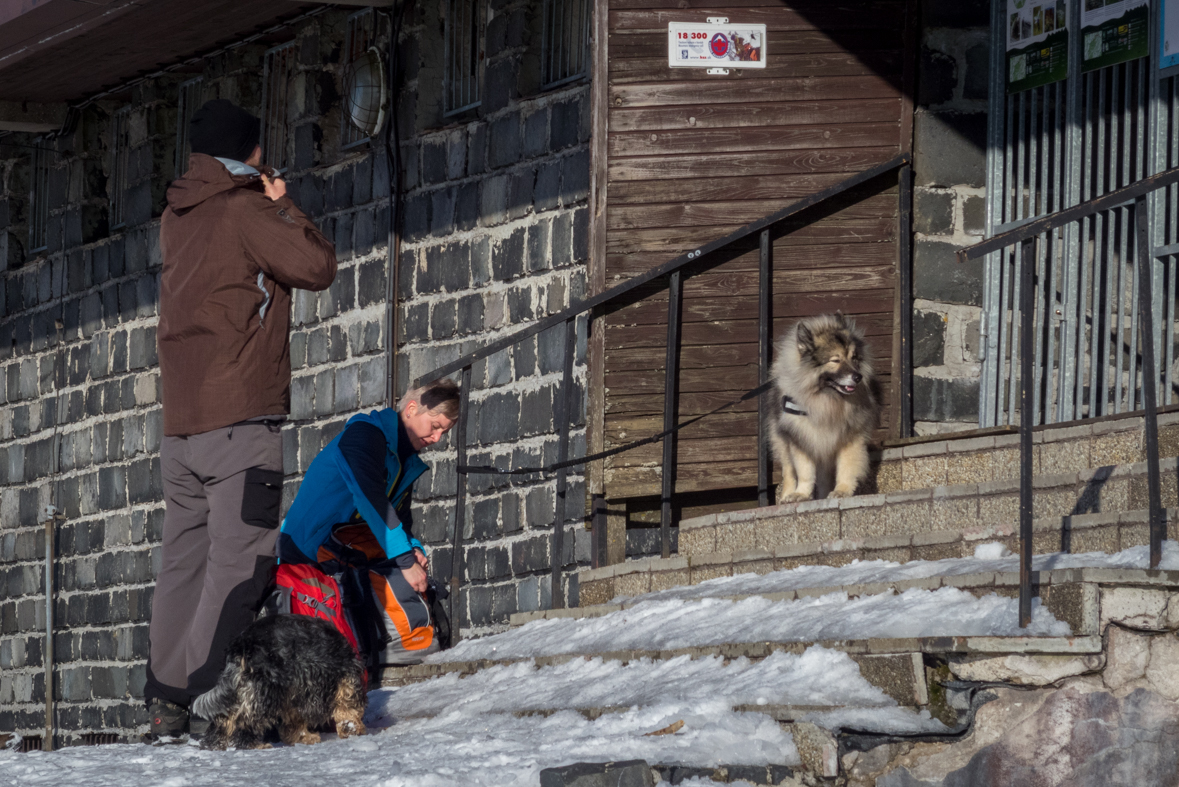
<point>487,469</point>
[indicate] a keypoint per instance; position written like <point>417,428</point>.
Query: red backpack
<point>305,590</point>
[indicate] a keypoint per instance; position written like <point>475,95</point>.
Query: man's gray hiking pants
<point>222,491</point>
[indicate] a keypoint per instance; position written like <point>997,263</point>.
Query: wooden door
<point>690,157</point>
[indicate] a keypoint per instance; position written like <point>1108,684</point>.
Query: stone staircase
<point>1089,495</point>
<point>1115,615</point>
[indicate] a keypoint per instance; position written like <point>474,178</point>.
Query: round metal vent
<point>365,99</point>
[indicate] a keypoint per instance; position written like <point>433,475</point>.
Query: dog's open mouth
<point>846,390</point>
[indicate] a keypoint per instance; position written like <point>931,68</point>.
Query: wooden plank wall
<point>692,157</point>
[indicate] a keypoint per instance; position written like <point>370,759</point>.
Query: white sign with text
<point>691,45</point>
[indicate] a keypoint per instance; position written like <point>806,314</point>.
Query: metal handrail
<point>673,272</point>
<point>1026,236</point>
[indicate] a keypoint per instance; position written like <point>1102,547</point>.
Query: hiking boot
<point>168,720</point>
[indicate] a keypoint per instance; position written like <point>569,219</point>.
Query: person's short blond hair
<point>439,397</point>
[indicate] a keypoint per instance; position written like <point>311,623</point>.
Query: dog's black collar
<point>788,406</point>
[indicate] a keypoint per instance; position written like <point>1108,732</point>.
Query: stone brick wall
<point>495,236</point>
<point>950,126</point>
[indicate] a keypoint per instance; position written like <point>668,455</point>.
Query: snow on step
<point>817,683</point>
<point>988,559</point>
<point>677,623</point>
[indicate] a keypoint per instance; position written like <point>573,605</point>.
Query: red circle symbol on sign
<point>719,45</point>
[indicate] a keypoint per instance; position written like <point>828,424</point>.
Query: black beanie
<point>221,128</point>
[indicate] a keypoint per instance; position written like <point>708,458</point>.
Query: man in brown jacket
<point>233,246</point>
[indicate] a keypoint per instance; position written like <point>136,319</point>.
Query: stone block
<point>936,399</point>
<point>929,339</point>
<point>938,276</point>
<point>923,472</point>
<point>937,77</point>
<point>1127,654</point>
<point>736,536</point>
<point>1094,539</point>
<point>635,583</point>
<point>817,749</point>
<point>954,514</point>
<point>950,149</point>
<point>888,477</point>
<point>596,592</point>
<point>697,540</point>
<point>1162,671</point>
<point>705,573</point>
<point>969,468</point>
<point>629,773</point>
<point>1116,448</point>
<point>1024,669</point>
<point>505,147</point>
<point>1138,608</point>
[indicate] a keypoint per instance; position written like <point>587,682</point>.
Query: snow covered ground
<point>473,738</point>
<point>455,750</point>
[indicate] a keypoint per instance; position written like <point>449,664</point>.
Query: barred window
<point>120,158</point>
<point>565,43</point>
<point>361,33</point>
<point>39,196</point>
<point>465,24</point>
<point>191,98</point>
<point>278,69</point>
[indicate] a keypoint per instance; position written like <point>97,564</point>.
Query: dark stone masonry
<point>495,236</point>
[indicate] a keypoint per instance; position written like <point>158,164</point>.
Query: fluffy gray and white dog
<point>827,405</point>
<point>293,672</point>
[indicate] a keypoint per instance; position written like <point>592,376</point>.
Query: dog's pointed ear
<point>806,339</point>
<point>841,319</point>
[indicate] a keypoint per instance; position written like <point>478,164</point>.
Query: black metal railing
<point>1026,237</point>
<point>674,272</point>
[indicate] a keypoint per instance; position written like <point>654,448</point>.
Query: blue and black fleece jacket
<point>366,473</point>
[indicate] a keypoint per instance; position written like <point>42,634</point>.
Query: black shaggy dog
<point>292,672</point>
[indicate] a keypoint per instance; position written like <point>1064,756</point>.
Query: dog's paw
<point>347,729</point>
<point>843,492</point>
<point>795,497</point>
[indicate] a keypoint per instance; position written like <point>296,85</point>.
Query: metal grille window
<point>120,155</point>
<point>279,67</point>
<point>564,55</point>
<point>361,32</point>
<point>465,22</point>
<point>191,98</point>
<point>1049,148</point>
<point>39,196</point>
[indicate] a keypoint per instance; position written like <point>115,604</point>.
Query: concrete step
<point>921,463</point>
<point>765,528</point>
<point>965,508</point>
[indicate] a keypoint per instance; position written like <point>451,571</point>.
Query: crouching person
<point>351,521</point>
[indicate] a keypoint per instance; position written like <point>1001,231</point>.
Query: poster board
<point>1169,34</point>
<point>1037,42</point>
<point>1113,31</point>
<point>709,45</point>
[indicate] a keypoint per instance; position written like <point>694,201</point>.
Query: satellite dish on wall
<point>366,101</point>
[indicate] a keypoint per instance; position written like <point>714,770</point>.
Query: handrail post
<point>670,397</point>
<point>1026,382</point>
<point>460,502</point>
<point>765,294</point>
<point>905,286</point>
<point>563,413</point>
<point>1150,379</point>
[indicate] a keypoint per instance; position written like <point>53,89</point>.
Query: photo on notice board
<point>1113,32</point>
<point>1037,43</point>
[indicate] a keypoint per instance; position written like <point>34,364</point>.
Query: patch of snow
<point>818,676</point>
<point>992,551</point>
<point>673,623</point>
<point>870,571</point>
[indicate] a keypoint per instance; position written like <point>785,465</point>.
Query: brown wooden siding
<point>692,157</point>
